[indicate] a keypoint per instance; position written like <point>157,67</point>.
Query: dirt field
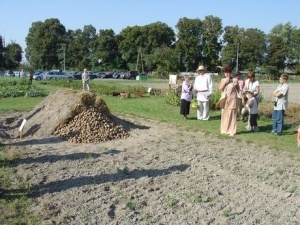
<point>160,174</point>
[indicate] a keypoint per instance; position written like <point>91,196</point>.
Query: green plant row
<point>16,87</point>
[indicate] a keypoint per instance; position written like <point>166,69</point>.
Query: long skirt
<point>228,121</point>
<point>185,107</point>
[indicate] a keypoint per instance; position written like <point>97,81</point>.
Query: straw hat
<point>201,68</point>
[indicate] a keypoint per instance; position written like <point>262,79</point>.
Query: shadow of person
<point>62,185</point>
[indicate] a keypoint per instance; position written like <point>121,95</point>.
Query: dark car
<point>92,75</point>
<point>131,75</point>
<point>105,75</point>
<point>122,75</point>
<point>116,75</point>
<point>77,76</point>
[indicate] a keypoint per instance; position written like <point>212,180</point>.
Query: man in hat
<point>204,88</point>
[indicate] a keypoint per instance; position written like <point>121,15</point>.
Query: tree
<point>163,60</point>
<point>81,48</point>
<point>290,38</point>
<point>276,55</point>
<point>157,35</point>
<point>44,42</point>
<point>252,48</point>
<point>147,38</point>
<point>130,40</point>
<point>294,55</point>
<point>211,30</point>
<point>243,49</point>
<point>13,55</point>
<point>189,43</point>
<point>291,43</point>
<point>2,54</point>
<point>107,50</point>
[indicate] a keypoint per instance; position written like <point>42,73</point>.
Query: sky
<point>16,17</point>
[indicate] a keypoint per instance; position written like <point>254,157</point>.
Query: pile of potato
<point>91,122</point>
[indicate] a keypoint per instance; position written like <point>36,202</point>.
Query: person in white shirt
<point>241,83</point>
<point>203,86</point>
<point>251,84</point>
<point>280,104</point>
<point>85,80</point>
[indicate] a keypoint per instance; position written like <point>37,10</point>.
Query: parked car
<point>122,75</point>
<point>130,75</point>
<point>57,75</point>
<point>38,75</point>
<point>9,73</point>
<point>104,75</point>
<point>92,75</point>
<point>77,75</point>
<point>116,75</point>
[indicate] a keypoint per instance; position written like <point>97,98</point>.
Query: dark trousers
<point>253,120</point>
<point>184,107</point>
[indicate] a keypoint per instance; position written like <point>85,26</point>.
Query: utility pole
<point>139,58</point>
<point>237,57</point>
<point>64,47</point>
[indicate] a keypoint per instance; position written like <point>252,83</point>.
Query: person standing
<point>253,111</point>
<point>21,73</point>
<point>203,87</point>
<point>186,97</point>
<point>280,104</point>
<point>230,89</point>
<point>251,84</point>
<point>85,80</point>
<point>241,83</point>
<point>31,72</point>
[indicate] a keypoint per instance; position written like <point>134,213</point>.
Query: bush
<point>172,98</point>
<point>19,87</point>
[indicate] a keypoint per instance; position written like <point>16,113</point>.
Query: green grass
<point>155,108</point>
<point>9,105</point>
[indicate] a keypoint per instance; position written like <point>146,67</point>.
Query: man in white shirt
<point>204,88</point>
<point>85,80</point>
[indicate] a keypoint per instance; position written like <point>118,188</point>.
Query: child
<point>253,111</point>
<point>298,137</point>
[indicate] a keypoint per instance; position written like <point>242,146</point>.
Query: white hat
<point>244,111</point>
<point>201,68</point>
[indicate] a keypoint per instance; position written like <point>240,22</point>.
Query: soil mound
<point>76,116</point>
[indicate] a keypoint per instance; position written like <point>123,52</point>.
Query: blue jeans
<point>277,118</point>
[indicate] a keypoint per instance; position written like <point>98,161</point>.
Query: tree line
<point>157,47</point>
